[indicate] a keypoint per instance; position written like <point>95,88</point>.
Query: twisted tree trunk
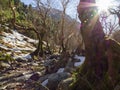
<point>93,36</point>
<point>98,66</point>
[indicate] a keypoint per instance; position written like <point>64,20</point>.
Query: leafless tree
<point>40,22</point>
<point>109,24</point>
<point>116,10</point>
<point>64,7</point>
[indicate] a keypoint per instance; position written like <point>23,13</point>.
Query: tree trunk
<point>39,49</point>
<point>98,53</point>
<point>93,37</point>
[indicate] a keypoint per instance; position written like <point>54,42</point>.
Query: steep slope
<point>15,43</point>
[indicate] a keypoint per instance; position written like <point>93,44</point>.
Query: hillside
<point>15,43</point>
<point>25,30</point>
<point>42,48</point>
<point>18,70</point>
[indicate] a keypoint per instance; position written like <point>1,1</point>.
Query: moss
<point>91,82</point>
<point>86,79</point>
<point>5,57</point>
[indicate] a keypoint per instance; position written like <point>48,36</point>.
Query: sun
<point>103,5</point>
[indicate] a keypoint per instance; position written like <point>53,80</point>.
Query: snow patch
<point>60,70</point>
<point>3,46</point>
<point>28,56</point>
<point>16,43</point>
<point>81,60</point>
<point>44,83</point>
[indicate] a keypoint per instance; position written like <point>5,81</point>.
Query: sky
<point>71,9</point>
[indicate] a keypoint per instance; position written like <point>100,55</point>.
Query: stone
<point>43,78</point>
<point>41,87</point>
<point>3,64</point>
<point>55,79</point>
<point>60,70</point>
<point>33,85</point>
<point>35,76</point>
<point>69,66</point>
<point>50,62</point>
<point>21,59</point>
<point>64,85</point>
<point>44,83</point>
<point>117,87</point>
<point>54,57</point>
<point>50,66</point>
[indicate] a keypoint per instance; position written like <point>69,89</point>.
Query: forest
<point>44,48</point>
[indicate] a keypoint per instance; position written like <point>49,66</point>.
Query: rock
<point>41,87</point>
<point>81,60</point>
<point>44,83</point>
<point>11,76</point>
<point>33,85</point>
<point>117,87</point>
<point>69,69</point>
<point>35,64</point>
<point>28,57</point>
<point>43,78</point>
<point>10,86</point>
<point>54,57</point>
<point>69,66</point>
<point>21,59</point>
<point>50,66</point>
<point>54,79</point>
<point>5,65</point>
<point>60,70</point>
<point>50,62</point>
<point>77,64</point>
<point>35,76</point>
<point>70,63</point>
<point>64,85</point>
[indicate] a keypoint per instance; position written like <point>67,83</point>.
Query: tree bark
<point>99,52</point>
<point>93,36</point>
<point>39,49</point>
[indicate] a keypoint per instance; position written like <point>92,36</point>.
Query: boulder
<point>56,78</point>
<point>65,84</point>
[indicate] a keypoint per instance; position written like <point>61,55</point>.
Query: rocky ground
<point>24,73</point>
<point>15,43</point>
<point>31,75</point>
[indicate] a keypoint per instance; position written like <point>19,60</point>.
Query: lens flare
<point>104,5</point>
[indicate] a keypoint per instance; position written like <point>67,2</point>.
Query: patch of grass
<point>6,57</point>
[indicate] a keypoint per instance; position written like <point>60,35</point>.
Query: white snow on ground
<point>16,43</point>
<point>16,40</point>
<point>28,56</point>
<point>60,70</point>
<point>44,83</point>
<point>3,46</point>
<point>81,58</point>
